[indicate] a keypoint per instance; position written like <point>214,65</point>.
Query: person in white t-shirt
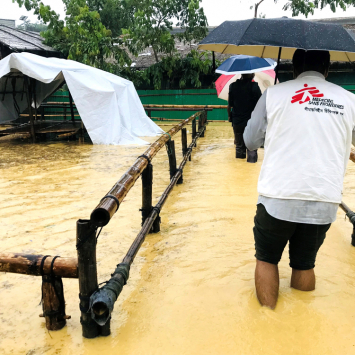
<point>306,126</point>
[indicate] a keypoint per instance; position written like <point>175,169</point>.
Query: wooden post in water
<point>202,124</point>
<point>29,102</point>
<point>71,108</point>
<point>184,151</point>
<point>147,191</point>
<point>194,130</point>
<point>170,147</point>
<point>86,248</point>
<point>53,303</point>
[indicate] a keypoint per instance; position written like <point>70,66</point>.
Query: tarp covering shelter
<point>108,105</point>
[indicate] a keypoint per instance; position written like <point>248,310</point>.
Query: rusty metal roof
<point>21,41</point>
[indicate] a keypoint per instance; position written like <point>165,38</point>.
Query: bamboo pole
<point>147,191</point>
<point>86,248</point>
<point>71,108</point>
<point>53,302</point>
<point>351,215</point>
<point>103,300</point>
<point>29,102</point>
<point>108,206</point>
<point>29,264</point>
<point>170,147</point>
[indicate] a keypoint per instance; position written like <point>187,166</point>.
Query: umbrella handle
<point>278,63</point>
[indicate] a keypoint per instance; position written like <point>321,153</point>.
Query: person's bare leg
<point>267,283</point>
<point>303,280</point>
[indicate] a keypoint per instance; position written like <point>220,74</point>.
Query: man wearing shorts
<point>306,126</point>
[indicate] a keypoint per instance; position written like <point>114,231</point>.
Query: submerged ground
<point>191,289</point>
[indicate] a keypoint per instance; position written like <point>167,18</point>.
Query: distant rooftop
<point>9,23</point>
<point>15,40</point>
<point>344,21</point>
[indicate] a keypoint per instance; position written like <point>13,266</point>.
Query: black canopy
<point>263,38</point>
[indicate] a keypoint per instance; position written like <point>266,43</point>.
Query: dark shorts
<point>271,236</point>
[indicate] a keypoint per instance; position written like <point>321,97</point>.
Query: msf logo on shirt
<point>305,94</point>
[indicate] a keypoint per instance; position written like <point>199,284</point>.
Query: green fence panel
<point>195,97</point>
<point>183,97</point>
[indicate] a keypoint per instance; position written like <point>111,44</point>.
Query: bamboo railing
<point>96,304</point>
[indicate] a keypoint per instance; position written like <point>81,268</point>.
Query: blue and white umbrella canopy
<point>245,64</point>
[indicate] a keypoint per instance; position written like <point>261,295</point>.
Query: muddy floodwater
<point>191,287</point>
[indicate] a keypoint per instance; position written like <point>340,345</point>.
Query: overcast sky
<point>216,11</point>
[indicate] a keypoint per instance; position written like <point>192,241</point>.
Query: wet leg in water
<point>267,282</point>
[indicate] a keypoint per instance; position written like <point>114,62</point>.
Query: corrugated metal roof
<point>20,41</point>
<point>9,23</point>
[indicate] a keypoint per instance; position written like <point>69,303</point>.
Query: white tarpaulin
<point>108,105</point>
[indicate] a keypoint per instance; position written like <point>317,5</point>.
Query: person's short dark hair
<point>311,60</point>
<point>248,76</point>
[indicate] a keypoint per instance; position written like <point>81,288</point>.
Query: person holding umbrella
<point>243,95</point>
<point>306,126</point>
<point>242,98</point>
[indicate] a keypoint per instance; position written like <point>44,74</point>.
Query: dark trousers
<point>242,151</point>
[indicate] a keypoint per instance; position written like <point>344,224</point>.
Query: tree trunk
<point>155,55</point>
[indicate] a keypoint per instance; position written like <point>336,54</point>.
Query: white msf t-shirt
<point>307,124</point>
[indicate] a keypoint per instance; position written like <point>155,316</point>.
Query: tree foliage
<point>81,36</point>
<point>179,71</point>
<point>154,20</point>
<point>307,7</point>
<point>115,14</point>
<point>27,25</point>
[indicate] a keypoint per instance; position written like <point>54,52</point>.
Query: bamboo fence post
<point>53,302</point>
<point>86,249</point>
<point>194,130</point>
<point>147,191</point>
<point>170,146</point>
<point>202,124</point>
<point>184,142</point>
<point>71,108</point>
<point>35,97</point>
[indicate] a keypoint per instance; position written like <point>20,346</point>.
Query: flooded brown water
<point>191,289</point>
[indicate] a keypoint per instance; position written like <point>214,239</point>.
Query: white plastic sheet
<point>108,105</point>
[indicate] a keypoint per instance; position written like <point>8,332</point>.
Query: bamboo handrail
<point>102,301</point>
<point>108,206</point>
